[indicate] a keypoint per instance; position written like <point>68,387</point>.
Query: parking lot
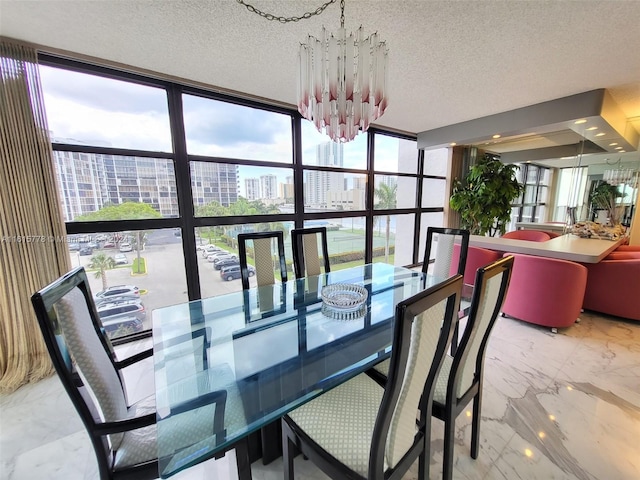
<point>165,282</point>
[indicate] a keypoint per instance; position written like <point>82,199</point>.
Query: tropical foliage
<point>125,211</point>
<point>605,197</point>
<point>484,198</point>
<point>101,263</point>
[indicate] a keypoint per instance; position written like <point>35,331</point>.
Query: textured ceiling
<point>450,61</point>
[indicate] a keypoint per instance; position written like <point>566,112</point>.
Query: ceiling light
<point>600,134</point>
<point>613,144</point>
<point>342,81</point>
<point>592,128</point>
<point>496,136</point>
<point>618,148</point>
<point>452,144</point>
<point>578,122</point>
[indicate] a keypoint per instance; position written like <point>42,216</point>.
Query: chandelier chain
<point>281,19</point>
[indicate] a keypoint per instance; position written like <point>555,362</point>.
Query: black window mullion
<point>183,191</point>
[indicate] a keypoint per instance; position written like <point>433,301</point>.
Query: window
<point>127,165</point>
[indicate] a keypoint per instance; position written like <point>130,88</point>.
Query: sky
<point>87,109</point>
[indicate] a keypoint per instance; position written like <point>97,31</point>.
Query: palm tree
<point>386,196</point>
<point>101,263</point>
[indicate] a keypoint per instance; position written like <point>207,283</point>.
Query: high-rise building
<point>252,188</point>
<point>88,181</point>
<point>319,183</point>
<point>269,186</point>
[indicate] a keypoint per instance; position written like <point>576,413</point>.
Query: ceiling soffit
<point>600,122</point>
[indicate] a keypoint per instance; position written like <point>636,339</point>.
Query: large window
<point>151,172</point>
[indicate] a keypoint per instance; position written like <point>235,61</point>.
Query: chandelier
<point>619,175</point>
<point>342,79</point>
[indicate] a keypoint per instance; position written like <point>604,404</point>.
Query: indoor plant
<point>484,197</point>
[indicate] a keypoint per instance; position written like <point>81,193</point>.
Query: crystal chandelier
<point>342,82</point>
<point>342,79</point>
<point>619,175</point>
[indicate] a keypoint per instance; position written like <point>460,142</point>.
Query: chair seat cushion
<point>138,446</point>
<point>341,421</point>
<point>383,367</point>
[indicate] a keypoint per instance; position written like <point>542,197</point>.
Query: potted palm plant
<point>484,197</point>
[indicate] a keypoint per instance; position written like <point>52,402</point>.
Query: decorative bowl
<point>344,296</point>
<point>344,314</point>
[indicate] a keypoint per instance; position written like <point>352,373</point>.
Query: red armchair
<point>532,235</point>
<point>613,286</point>
<point>545,291</point>
<point>476,257</point>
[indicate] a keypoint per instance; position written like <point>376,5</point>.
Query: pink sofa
<point>545,291</point>
<point>613,286</point>
<point>532,235</point>
<point>628,248</point>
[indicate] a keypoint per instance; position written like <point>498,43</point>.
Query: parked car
<point>215,255</point>
<point>221,258</point>
<point>233,272</point>
<point>116,290</point>
<point>225,262</point>
<point>74,247</point>
<point>121,259</point>
<point>209,249</point>
<point>109,244</point>
<point>121,326</point>
<point>85,251</point>
<point>99,302</point>
<point>126,247</point>
<point>119,309</point>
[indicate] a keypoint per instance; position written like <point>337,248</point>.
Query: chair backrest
<point>423,331</point>
<point>489,292</point>
<point>306,256</point>
<point>262,248</point>
<point>70,326</point>
<point>531,235</point>
<point>442,251</point>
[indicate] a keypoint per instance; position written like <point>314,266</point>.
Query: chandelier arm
<point>281,19</point>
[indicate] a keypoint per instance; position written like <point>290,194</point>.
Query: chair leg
<point>288,452</point>
<point>475,424</point>
<point>449,436</point>
<point>242,460</point>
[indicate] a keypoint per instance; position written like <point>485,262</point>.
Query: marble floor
<point>556,406</point>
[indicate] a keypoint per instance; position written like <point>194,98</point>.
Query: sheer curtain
<point>32,248</point>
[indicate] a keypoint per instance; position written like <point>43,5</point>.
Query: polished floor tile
<point>556,406</point>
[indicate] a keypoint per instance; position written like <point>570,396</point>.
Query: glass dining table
<point>260,353</point>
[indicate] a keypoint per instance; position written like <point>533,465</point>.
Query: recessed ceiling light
<point>592,128</point>
<point>600,134</point>
<point>618,148</point>
<point>452,144</point>
<point>496,136</point>
<point>578,122</point>
<point>613,144</point>
<point>622,151</point>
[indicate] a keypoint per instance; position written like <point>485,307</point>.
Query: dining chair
<point>123,435</point>
<point>461,378</point>
<point>264,265</point>
<point>306,256</point>
<point>443,253</point>
<point>362,430</point>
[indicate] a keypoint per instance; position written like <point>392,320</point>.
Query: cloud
<point>214,122</point>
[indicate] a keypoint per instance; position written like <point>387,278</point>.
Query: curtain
<point>32,237</point>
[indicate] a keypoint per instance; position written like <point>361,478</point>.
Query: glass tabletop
<point>226,366</point>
